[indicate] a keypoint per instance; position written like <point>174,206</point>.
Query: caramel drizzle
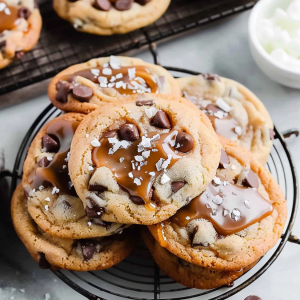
<point>8,21</point>
<point>122,169</point>
<point>140,71</point>
<point>55,174</point>
<point>222,216</point>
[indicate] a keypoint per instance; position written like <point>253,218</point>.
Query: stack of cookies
<point>130,150</point>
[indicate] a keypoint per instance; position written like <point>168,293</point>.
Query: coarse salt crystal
<point>68,156</point>
<point>164,179</point>
<point>119,76</point>
<point>46,207</point>
<point>238,130</point>
<point>90,168</point>
<point>152,174</point>
<point>115,62</point>
<point>217,200</point>
<point>247,203</point>
<point>223,105</point>
<point>55,190</point>
<point>225,212</point>
<point>217,180</point>
<point>102,79</point>
<point>113,78</point>
<point>95,143</point>
<point>106,71</point>
<point>121,159</point>
<point>137,181</point>
<point>146,154</point>
<point>95,72</point>
<point>139,158</point>
<point>130,175</point>
<point>87,135</point>
<point>47,199</point>
<point>131,73</point>
<point>119,84</point>
<point>90,223</point>
<point>111,85</point>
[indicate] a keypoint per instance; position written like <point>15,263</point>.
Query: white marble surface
<point>223,49</point>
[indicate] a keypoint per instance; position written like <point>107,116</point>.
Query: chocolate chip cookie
<point>81,88</point>
<point>71,254</point>
<point>188,274</point>
<point>235,112</point>
<point>138,162</point>
<point>20,26</point>
<point>51,198</point>
<point>107,17</point>
<point>236,220</point>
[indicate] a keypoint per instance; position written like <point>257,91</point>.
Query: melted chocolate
<point>55,174</point>
<point>140,71</point>
<point>120,163</point>
<point>238,208</point>
<point>8,21</point>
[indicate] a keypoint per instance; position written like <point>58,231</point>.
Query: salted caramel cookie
<point>71,254</point>
<point>238,218</point>
<point>107,17</point>
<point>51,198</point>
<point>142,160</point>
<point>20,26</point>
<point>81,88</point>
<point>235,112</point>
<point>188,274</point>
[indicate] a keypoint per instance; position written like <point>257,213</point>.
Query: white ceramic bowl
<point>279,73</point>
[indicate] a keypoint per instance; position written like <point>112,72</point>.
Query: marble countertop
<point>221,48</point>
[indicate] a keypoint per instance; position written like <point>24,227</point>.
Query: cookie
<point>140,161</point>
<point>188,274</point>
<point>81,88</point>
<point>107,17</point>
<point>78,255</point>
<point>237,219</point>
<point>51,198</point>
<point>20,27</point>
<point>235,112</point>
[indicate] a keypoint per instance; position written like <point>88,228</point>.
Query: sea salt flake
<point>146,154</point>
<point>152,174</point>
<point>247,203</point>
<point>106,71</point>
<point>225,212</point>
<point>119,84</point>
<point>47,199</point>
<point>139,158</point>
<point>7,11</point>
<point>131,73</point>
<point>235,214</point>
<point>41,187</point>
<point>90,168</point>
<point>90,223</point>
<point>64,166</point>
<point>95,72</point>
<point>103,85</point>
<point>102,79</point>
<point>55,190</point>
<point>223,105</point>
<point>95,143</point>
<point>115,62</point>
<point>68,156</point>
<point>164,179</point>
<point>130,175</point>
<point>233,167</point>
<point>113,78</point>
<point>121,159</point>
<point>119,76</point>
<point>159,164</point>
<point>46,207</point>
<point>151,111</point>
<point>137,181</point>
<point>111,85</point>
<point>217,200</point>
<point>217,180</point>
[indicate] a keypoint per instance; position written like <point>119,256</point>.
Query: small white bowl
<point>279,73</point>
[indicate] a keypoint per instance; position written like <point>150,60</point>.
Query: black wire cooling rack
<point>60,45</point>
<point>138,277</point>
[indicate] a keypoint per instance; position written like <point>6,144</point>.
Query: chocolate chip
<point>161,120</point>
<point>177,185</point>
<point>44,162</point>
<point>109,134</point>
<point>63,89</point>
<point>142,2</point>
<point>67,204</point>
<point>49,144</point>
<point>193,236</point>
<point>213,108</point>
<point>185,141</point>
<point>24,12</point>
<point>224,159</point>
<point>19,54</point>
<point>82,93</point>
<point>129,132</point>
<point>271,134</point>
<point>123,4</point>
<point>88,248</point>
<point>43,263</point>
<point>97,188</point>
<point>96,211</point>
<point>100,222</point>
<point>251,180</point>
<point>137,200</point>
<point>103,5</point>
<point>252,297</point>
<point>144,103</point>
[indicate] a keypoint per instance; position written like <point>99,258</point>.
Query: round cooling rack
<point>138,277</point>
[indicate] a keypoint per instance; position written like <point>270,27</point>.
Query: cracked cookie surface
<point>139,161</point>
<point>108,18</point>
<point>237,219</point>
<point>83,87</point>
<point>235,112</point>
<point>71,254</point>
<point>51,199</point>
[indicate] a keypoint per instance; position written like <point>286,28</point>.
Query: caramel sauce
<point>234,197</point>
<point>225,127</point>
<point>122,169</point>
<point>140,71</point>
<point>55,174</point>
<point>8,21</point>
